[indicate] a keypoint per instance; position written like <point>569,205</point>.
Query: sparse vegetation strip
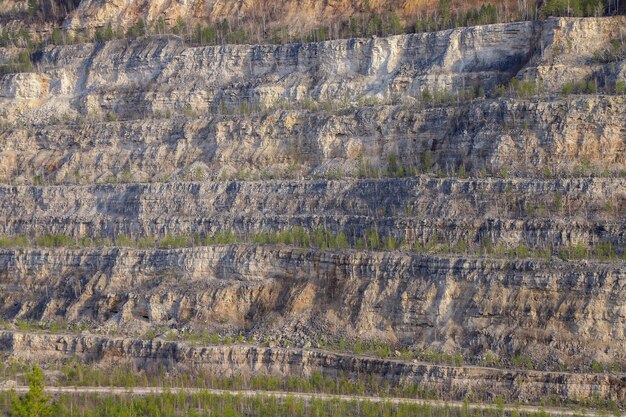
<point>322,239</point>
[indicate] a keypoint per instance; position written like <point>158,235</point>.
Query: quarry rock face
<point>498,213</point>
<point>448,382</point>
<point>310,109</point>
<point>463,305</point>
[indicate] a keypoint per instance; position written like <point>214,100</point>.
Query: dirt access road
<point>140,391</point>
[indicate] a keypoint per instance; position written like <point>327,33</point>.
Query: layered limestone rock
<point>25,86</point>
<point>538,214</point>
<point>568,50</point>
<point>448,382</point>
<point>561,136</point>
<point>291,15</point>
<point>553,312</point>
<point>105,144</point>
<point>154,69</point>
<point>157,109</point>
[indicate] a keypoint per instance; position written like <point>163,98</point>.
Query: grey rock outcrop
<point>109,143</point>
<point>448,382</point>
<point>554,312</point>
<point>157,109</point>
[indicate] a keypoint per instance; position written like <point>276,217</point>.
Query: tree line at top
<point>257,26</point>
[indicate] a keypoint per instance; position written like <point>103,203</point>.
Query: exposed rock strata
<point>144,88</point>
<point>156,110</point>
<point>550,311</point>
<point>449,382</point>
<point>536,213</point>
<point>559,135</point>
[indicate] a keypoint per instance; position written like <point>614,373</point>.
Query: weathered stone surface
<point>554,312</point>
<point>350,68</point>
<point>448,382</point>
<point>167,126</point>
<point>567,49</point>
<point>24,86</point>
<point>294,16</point>
<point>170,107</point>
<point>536,213</point>
<point>524,137</point>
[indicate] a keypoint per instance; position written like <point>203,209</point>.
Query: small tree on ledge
<point>34,403</point>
